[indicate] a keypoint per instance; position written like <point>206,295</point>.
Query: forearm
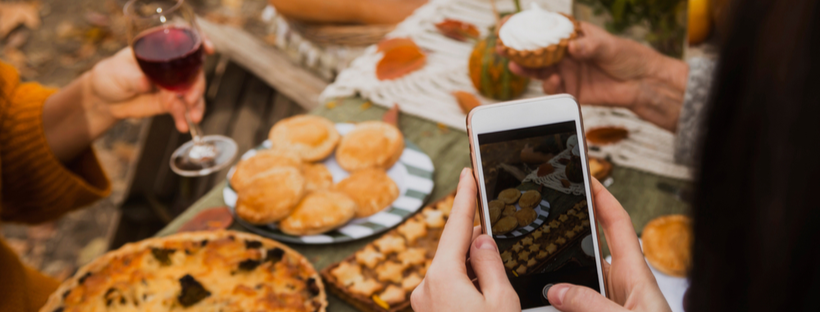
<point>661,93</point>
<point>73,118</point>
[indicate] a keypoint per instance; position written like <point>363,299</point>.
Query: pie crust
<point>206,271</point>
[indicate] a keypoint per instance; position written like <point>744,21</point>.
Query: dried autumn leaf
<point>16,13</point>
<point>209,220</point>
<point>391,116</point>
<point>466,100</point>
<point>389,44</point>
<point>401,57</point>
<point>458,30</point>
<point>607,135</point>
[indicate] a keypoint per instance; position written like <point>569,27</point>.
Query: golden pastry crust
<point>530,199</point>
<point>169,265</point>
<point>509,211</point>
<point>270,196</point>
<point>411,281</point>
<point>317,178</point>
<point>264,160</point>
<point>390,243</point>
<point>319,212</point>
<point>372,144</point>
<point>365,287</point>
<point>371,189</point>
<point>347,273</point>
<point>667,243</point>
<point>434,218</point>
<point>525,216</point>
<point>412,230</point>
<point>505,225</point>
<point>543,57</point>
<point>369,257</point>
<point>312,137</point>
<point>389,271</point>
<point>393,294</point>
<point>496,208</point>
<point>509,196</point>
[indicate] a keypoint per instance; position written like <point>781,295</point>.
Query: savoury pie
<point>317,177</point>
<point>530,199</point>
<point>371,144</point>
<point>381,276</point>
<point>667,244</point>
<point>371,189</point>
<point>319,212</point>
<point>312,137</point>
<point>509,196</point>
<point>194,271</point>
<point>260,162</point>
<point>271,195</point>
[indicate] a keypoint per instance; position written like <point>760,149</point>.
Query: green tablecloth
<point>450,152</point>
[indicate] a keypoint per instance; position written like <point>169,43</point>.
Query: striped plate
<point>543,211</point>
<point>413,174</point>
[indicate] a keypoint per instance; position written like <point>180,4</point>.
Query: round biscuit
<point>371,144</point>
<point>319,212</point>
<point>262,161</point>
<point>312,137</point>
<point>371,189</point>
<point>271,195</point>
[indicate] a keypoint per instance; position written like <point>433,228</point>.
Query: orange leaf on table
<point>466,100</point>
<point>389,44</point>
<point>391,116</point>
<point>458,30</point>
<point>401,57</point>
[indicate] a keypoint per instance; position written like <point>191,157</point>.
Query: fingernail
<point>464,172</point>
<point>484,242</point>
<point>560,291</point>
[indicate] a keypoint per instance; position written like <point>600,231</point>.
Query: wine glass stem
<point>196,132</point>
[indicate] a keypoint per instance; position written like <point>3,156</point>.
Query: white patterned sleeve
<point>692,113</point>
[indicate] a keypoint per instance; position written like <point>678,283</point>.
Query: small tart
<point>317,177</point>
<point>260,162</point>
<point>312,137</point>
<point>667,243</point>
<point>270,196</point>
<point>371,189</point>
<point>319,212</point>
<point>537,38</point>
<point>371,144</point>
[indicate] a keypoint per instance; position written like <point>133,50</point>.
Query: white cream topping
<point>534,29</point>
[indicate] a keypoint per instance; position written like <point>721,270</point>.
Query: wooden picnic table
<point>449,150</point>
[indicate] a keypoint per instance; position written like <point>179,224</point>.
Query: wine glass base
<point>219,153</point>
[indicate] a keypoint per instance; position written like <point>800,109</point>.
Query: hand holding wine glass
<point>169,50</point>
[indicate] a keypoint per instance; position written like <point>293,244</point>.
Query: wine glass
<point>168,47</point>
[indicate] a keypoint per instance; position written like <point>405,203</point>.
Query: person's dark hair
<point>756,213</point>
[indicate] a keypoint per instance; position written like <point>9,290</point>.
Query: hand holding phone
<point>448,286</point>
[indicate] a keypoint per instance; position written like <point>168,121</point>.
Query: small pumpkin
<point>490,73</point>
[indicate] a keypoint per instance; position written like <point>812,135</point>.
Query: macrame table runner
<point>427,92</point>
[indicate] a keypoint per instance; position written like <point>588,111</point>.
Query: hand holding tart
<point>536,37</point>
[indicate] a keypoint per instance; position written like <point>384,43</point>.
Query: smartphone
<point>530,163</point>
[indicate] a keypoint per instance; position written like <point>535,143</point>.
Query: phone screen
<point>536,195</point>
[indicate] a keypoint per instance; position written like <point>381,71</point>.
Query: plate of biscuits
<point>516,212</point>
<point>317,182</point>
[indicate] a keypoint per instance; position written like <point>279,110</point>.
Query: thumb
<point>488,267</point>
<point>572,298</point>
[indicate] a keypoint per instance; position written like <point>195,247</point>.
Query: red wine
<point>171,57</point>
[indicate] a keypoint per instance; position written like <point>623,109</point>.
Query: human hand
<point>603,69</point>
<point>118,86</point>
<point>447,285</point>
<point>629,282</point>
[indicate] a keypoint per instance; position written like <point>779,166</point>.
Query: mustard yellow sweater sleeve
<point>35,186</point>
